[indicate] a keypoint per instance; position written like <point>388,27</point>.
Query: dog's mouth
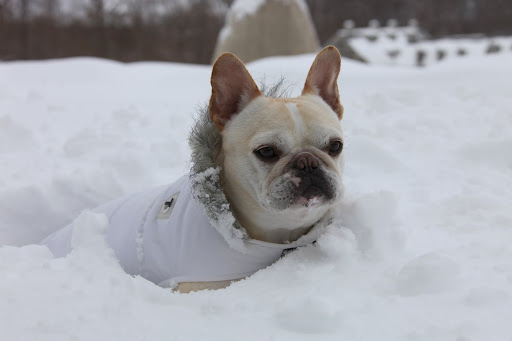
<point>296,191</point>
<point>313,191</point>
<point>311,196</point>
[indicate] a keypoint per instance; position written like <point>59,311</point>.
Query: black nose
<point>306,162</point>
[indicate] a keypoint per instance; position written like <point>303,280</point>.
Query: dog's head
<point>281,158</point>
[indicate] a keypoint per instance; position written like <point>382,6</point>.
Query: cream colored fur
<point>270,121</point>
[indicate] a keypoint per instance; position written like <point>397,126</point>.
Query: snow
<point>420,252</point>
<point>389,40</point>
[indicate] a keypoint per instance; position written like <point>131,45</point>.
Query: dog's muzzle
<point>304,181</point>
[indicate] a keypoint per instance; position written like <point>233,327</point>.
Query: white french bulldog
<point>266,177</point>
<point>281,158</point>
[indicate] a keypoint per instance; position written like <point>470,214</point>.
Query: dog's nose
<point>305,161</point>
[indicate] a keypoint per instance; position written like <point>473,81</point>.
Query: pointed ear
<point>232,89</point>
<point>322,78</point>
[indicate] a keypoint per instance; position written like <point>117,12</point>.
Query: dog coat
<point>165,236</point>
<point>185,232</point>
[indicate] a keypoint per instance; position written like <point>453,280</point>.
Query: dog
<point>266,177</point>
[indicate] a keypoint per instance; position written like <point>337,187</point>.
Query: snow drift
<point>421,250</point>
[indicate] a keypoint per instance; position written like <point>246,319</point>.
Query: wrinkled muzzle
<point>305,182</point>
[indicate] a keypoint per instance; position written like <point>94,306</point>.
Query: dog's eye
<point>266,153</point>
<point>335,148</point>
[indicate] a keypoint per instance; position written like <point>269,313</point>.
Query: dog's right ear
<point>232,89</point>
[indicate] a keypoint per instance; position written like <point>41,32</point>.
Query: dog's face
<point>282,158</point>
<point>292,160</point>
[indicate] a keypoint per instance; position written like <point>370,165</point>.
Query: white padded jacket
<point>165,236</point>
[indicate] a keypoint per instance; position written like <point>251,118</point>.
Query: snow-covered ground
<point>422,251</point>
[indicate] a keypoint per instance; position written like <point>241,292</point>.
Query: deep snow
<point>421,251</point>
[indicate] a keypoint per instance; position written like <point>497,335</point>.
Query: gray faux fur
<point>205,142</point>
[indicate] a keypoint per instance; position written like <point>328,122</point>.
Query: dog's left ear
<point>322,78</point>
<point>232,89</point>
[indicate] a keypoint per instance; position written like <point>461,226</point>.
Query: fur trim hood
<point>205,142</point>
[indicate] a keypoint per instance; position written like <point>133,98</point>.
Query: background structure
<point>186,31</point>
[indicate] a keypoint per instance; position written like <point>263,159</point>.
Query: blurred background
<point>393,31</point>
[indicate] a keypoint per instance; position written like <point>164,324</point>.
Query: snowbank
<point>421,251</point>
<point>390,46</point>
